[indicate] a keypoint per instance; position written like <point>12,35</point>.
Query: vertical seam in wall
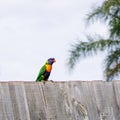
<point>44,98</point>
<point>26,103</point>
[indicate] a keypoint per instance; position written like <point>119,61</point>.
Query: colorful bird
<point>45,70</point>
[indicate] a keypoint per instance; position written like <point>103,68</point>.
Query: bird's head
<point>51,61</point>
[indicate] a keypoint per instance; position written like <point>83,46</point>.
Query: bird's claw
<point>52,81</point>
<point>43,82</point>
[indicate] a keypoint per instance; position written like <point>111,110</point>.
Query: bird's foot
<point>52,81</point>
<point>43,82</point>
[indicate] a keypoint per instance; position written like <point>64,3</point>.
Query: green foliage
<point>112,63</point>
<point>109,12</point>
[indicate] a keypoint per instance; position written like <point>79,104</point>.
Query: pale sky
<point>33,31</point>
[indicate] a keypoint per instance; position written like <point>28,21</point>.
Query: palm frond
<point>115,28</point>
<point>100,12</point>
<point>109,12</point>
<point>112,73</point>
<point>96,14</point>
<point>112,64</point>
<point>83,49</point>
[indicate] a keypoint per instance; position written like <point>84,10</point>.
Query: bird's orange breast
<point>48,68</point>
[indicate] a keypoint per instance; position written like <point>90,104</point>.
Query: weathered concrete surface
<point>94,100</point>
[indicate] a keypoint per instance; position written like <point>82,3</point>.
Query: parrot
<point>45,70</point>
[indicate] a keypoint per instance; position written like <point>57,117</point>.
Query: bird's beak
<point>54,61</point>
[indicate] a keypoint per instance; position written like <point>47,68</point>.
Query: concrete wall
<point>94,100</point>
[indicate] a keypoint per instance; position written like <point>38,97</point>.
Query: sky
<point>31,31</point>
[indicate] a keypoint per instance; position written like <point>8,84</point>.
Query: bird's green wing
<point>40,75</point>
